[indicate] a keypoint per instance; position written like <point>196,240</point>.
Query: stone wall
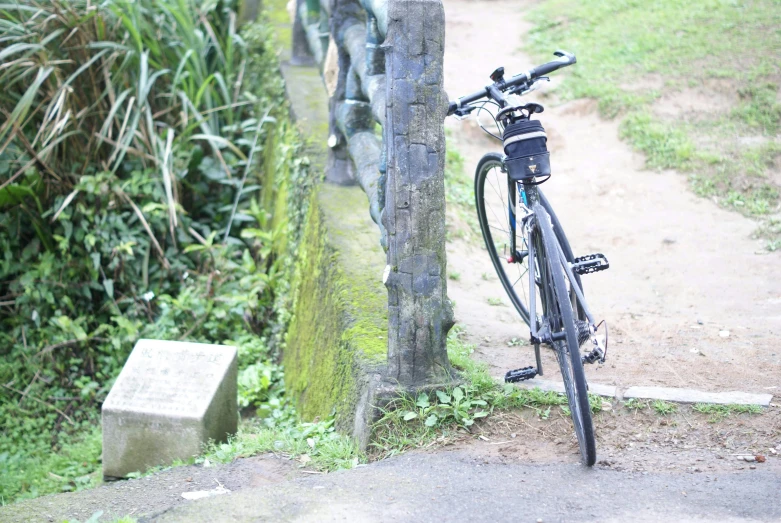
<point>336,343</point>
<point>336,346</point>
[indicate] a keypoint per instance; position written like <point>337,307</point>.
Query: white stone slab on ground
<point>557,386</point>
<point>170,398</point>
<point>696,396</point>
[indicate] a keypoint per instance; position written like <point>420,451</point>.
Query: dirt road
<point>691,300</point>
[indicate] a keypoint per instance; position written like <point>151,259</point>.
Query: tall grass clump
<point>140,147</point>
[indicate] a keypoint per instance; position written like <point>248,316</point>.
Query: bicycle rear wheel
<point>558,312</point>
<point>492,200</point>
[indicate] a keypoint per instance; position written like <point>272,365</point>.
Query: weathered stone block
<point>170,398</point>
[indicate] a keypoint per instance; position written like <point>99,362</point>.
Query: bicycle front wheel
<point>495,212</point>
<point>558,312</point>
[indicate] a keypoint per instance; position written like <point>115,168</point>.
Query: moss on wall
<point>337,336</point>
<point>339,328</point>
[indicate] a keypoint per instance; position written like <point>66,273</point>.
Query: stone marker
<point>170,398</point>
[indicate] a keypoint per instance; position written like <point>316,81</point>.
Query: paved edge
<point>696,396</point>
<point>658,393</point>
<point>608,391</point>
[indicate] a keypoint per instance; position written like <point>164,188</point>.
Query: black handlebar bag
<point>525,145</point>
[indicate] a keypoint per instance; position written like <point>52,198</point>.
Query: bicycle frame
<point>528,193</point>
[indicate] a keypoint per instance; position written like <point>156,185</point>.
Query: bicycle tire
<point>486,163</point>
<point>567,350</point>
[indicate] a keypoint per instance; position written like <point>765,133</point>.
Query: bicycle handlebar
<point>494,91</point>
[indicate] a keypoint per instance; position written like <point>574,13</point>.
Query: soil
<point>690,297</point>
<point>699,100</point>
<point>634,440</point>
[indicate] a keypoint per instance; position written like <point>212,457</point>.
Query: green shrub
<point>134,202</point>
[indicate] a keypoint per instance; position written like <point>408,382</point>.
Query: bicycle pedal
<point>523,374</point>
<point>590,263</point>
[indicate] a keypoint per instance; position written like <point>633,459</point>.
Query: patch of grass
<point>619,42</point>
<point>314,445</point>
<point>635,404</point>
<point>494,302</point>
<point>414,422</point>
<point>632,53</point>
<point>595,402</point>
<point>759,107</point>
<point>37,471</point>
<point>457,186</point>
<point>455,276</point>
<point>770,231</point>
<point>719,412</point>
<point>664,408</point>
<point>665,146</point>
<point>459,193</point>
<point>739,182</point>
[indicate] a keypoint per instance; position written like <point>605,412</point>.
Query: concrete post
<point>419,312</point>
<point>344,13</point>
<point>300,54</point>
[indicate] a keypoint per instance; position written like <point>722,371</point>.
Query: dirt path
<point>682,272</point>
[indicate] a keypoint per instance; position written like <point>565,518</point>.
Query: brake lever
<point>526,88</point>
<point>463,113</point>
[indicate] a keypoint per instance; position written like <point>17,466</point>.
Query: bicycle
<point>565,323</point>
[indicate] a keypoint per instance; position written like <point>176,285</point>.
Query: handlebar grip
<point>565,58</point>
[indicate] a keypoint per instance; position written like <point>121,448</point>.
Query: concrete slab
<point>608,391</point>
<point>169,400</point>
<point>696,396</point>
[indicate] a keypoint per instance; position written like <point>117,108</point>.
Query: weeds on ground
<point>635,404</point>
<point>664,408</point>
<point>162,468</point>
<point>719,412</point>
<point>771,231</point>
<point>314,445</point>
<point>75,466</point>
<point>661,407</point>
<point>414,422</point>
<point>665,146</point>
<point>595,402</point>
